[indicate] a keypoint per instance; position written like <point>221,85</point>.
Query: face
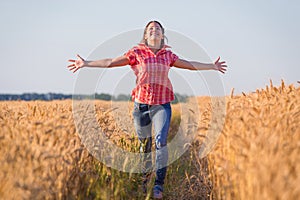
<point>154,32</point>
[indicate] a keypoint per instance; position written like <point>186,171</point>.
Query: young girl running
<point>151,61</point>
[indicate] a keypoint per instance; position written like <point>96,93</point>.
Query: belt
<point>143,106</point>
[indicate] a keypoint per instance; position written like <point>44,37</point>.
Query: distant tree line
<point>59,96</point>
<point>34,96</point>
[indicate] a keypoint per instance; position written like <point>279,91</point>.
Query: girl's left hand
<point>220,66</point>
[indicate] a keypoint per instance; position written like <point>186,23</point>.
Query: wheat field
<point>257,155</point>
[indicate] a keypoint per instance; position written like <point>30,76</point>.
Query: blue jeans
<point>144,116</point>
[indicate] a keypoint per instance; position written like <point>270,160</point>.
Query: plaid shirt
<point>152,83</point>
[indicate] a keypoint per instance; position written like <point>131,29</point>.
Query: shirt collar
<point>164,47</point>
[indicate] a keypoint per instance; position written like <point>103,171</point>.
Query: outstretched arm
<point>194,65</point>
<point>104,63</point>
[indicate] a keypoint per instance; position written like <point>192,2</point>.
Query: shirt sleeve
<point>173,58</point>
<point>131,56</point>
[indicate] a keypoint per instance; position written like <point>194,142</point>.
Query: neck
<point>154,45</point>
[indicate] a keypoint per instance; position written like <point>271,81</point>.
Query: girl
<point>151,61</point>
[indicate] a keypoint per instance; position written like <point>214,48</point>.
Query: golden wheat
<point>256,157</point>
<point>258,154</point>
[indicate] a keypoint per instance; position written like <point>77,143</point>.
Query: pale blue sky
<point>258,39</point>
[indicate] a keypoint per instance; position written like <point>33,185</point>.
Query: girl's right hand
<point>76,64</point>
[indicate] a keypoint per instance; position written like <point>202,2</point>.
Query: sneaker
<point>144,187</point>
<point>146,178</point>
<point>157,192</point>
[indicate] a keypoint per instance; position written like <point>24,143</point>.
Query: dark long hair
<point>143,41</point>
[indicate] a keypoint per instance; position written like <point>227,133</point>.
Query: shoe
<point>146,178</point>
<point>157,192</point>
<point>144,188</point>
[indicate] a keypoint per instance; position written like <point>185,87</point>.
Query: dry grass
<point>258,154</point>
<point>256,157</point>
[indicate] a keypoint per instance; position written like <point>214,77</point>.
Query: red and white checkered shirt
<point>152,83</point>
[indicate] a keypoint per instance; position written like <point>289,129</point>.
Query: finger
<point>75,70</point>
<point>72,68</point>
<point>223,62</point>
<point>223,70</point>
<point>217,60</point>
<point>71,60</point>
<point>79,57</point>
<point>72,65</point>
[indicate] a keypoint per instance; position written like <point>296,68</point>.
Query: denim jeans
<point>144,116</point>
